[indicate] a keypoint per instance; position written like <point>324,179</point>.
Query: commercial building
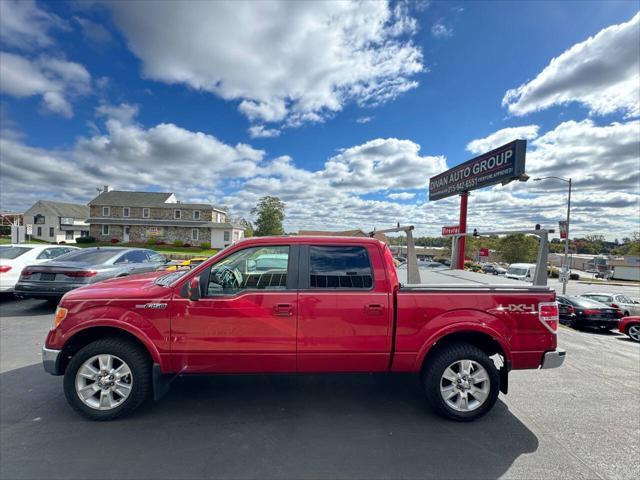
<point>57,222</point>
<point>140,216</point>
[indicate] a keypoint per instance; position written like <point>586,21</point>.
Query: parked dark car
<point>51,280</point>
<point>580,312</point>
<point>493,269</point>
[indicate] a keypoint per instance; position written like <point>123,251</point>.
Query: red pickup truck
<point>297,305</point>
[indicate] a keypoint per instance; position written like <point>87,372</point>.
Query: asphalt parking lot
<point>579,421</point>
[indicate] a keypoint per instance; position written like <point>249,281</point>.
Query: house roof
<point>60,209</point>
<point>123,198</point>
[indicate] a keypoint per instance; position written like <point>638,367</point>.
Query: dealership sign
<point>502,164</point>
<point>453,230</point>
<point>564,228</point>
<point>483,252</point>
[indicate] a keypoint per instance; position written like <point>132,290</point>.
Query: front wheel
<point>108,378</point>
<point>461,382</point>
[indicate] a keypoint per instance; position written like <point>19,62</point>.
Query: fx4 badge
<point>153,306</point>
<point>518,307</point>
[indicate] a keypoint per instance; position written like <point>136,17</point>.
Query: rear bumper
<point>553,359</point>
<point>51,361</point>
<point>26,290</point>
<point>599,322</point>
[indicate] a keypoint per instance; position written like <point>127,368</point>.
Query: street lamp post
<point>566,268</point>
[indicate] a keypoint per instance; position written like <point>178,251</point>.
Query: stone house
<point>139,216</point>
<point>57,222</point>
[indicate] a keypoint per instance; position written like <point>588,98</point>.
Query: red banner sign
<point>484,252</point>
<point>452,230</point>
<point>564,228</point>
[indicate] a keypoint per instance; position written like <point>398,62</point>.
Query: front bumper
<point>553,359</point>
<point>51,361</point>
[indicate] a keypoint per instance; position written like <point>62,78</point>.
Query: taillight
<point>548,315</point>
<point>571,310</point>
<point>4,268</point>
<point>82,274</point>
<point>619,314</point>
<point>590,311</point>
<point>27,273</point>
<point>614,305</point>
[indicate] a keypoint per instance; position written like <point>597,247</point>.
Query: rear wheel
<point>108,378</point>
<point>634,332</point>
<point>461,382</point>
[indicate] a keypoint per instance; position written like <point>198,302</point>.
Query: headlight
<point>61,314</point>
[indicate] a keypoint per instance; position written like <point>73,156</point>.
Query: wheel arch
<point>83,337</point>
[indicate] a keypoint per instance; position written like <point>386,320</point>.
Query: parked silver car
<point>51,280</point>
<point>625,304</point>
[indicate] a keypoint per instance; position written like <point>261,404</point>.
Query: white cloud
<point>285,62</point>
<point>364,119</point>
<point>94,32</point>
<point>401,196</point>
<point>496,139</point>
<point>440,30</point>
<point>602,73</point>
<point>124,113</point>
<point>259,131</point>
<point>23,25</point>
<point>55,80</point>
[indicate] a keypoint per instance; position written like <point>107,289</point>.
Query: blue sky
<point>363,102</point>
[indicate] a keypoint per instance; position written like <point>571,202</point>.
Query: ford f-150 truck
<point>297,305</point>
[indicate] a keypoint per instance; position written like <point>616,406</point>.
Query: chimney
<point>105,188</point>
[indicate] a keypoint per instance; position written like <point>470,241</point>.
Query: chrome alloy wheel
<point>465,385</point>
<point>634,332</point>
<point>103,382</point>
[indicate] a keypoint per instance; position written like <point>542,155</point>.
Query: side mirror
<point>194,289</point>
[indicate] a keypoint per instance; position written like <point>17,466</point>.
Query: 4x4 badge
<point>153,306</point>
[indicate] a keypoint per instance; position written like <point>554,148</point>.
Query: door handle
<point>283,310</point>
<point>374,308</point>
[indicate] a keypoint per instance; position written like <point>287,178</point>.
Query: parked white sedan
<point>14,257</point>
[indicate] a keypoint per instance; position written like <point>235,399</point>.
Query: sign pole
<point>462,240</point>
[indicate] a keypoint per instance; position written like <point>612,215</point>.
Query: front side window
<point>145,213</point>
<point>105,229</point>
<point>340,268</point>
<point>126,211</point>
<point>50,253</point>
<point>134,256</point>
<point>106,211</point>
<point>256,268</point>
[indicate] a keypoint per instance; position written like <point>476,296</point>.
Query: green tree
<point>270,215</point>
<point>248,227</point>
<point>518,248</point>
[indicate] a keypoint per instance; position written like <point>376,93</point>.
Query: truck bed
<point>448,279</point>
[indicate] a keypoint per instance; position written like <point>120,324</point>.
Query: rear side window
<point>9,253</point>
<point>340,268</point>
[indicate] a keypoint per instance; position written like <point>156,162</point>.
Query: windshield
<point>169,278</point>
<point>94,257</point>
<point>9,253</point>
<point>599,298</point>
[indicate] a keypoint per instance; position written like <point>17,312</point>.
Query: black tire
<point>436,367</point>
<point>133,355</point>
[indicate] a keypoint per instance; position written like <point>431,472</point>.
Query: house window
<point>218,218</point>
<point>176,214</point>
<point>106,211</point>
<point>126,211</point>
<point>105,229</point>
<point>196,214</point>
<point>39,231</point>
<point>227,236</point>
<point>51,231</point>
<point>68,235</point>
<point>38,219</point>
<point>145,213</point>
<point>84,233</point>
<point>194,234</point>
